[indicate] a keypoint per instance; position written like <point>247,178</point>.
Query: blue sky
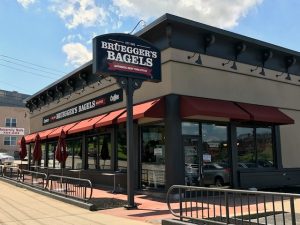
<point>54,36</point>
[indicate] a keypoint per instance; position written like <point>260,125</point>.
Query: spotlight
<point>262,72</point>
<point>224,64</point>
<point>234,67</point>
<point>288,77</point>
<point>199,61</point>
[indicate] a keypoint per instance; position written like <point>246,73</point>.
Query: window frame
<point>10,122</point>
<point>9,141</point>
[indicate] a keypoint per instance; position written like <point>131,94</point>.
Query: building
<point>14,119</point>
<point>225,101</point>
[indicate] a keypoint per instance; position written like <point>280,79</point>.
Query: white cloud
<point>224,13</point>
<point>26,3</point>
<point>72,37</point>
<point>79,12</point>
<point>77,54</point>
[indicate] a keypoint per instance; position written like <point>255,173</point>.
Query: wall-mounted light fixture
<point>239,48</point>
<point>208,40</point>
<point>266,55</point>
<point>289,62</point>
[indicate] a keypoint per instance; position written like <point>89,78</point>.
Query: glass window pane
<point>153,156</point>
<point>93,152</point>
<point>121,149</point>
<point>265,153</point>
<point>51,155</point>
<point>215,149</point>
<point>245,147</point>
<point>13,141</point>
<point>7,122</point>
<point>105,151</point>
<point>189,128</point>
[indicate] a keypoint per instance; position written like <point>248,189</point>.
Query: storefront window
<point>105,151</point>
<point>121,149</point>
<point>245,147</point>
<point>74,159</point>
<point>153,156</point>
<point>52,162</point>
<point>265,154</point>
<point>189,128</point>
<point>43,161</point>
<point>215,146</point>
<point>93,152</point>
<point>255,147</point>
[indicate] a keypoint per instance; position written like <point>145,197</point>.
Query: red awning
<point>66,128</point>
<point>266,114</point>
<point>151,109</point>
<point>87,124</point>
<point>30,138</point>
<point>110,118</point>
<point>44,134</point>
<point>192,106</point>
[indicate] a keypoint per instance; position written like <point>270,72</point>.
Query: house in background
<point>14,121</point>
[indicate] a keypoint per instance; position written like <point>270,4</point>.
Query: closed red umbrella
<point>37,150</point>
<point>61,151</point>
<point>23,151</point>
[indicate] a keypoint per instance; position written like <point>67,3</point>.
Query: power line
<point>33,64</point>
<point>29,67</point>
<point>6,83</point>
<point>36,74</point>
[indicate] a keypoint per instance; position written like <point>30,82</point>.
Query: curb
<point>85,205</point>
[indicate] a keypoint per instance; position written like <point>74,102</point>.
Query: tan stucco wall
<point>211,80</point>
<point>22,122</point>
<point>148,91</point>
<point>290,141</point>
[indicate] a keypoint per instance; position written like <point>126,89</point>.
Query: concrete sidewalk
<point>21,206</point>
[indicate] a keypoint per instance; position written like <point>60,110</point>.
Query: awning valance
<point>266,114</point>
<point>192,106</point>
<point>151,109</point>
<point>110,118</point>
<point>86,124</point>
<point>30,138</point>
<point>44,134</point>
<point>66,128</point>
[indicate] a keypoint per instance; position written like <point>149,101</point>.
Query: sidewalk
<point>21,206</point>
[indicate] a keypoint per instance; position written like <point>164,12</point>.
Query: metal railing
<point>9,171</point>
<point>33,178</point>
<point>228,206</point>
<point>77,188</point>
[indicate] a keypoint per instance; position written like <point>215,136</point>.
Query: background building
<point>14,121</point>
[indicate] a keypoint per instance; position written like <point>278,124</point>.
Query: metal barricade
<point>33,178</point>
<point>10,171</point>
<point>77,188</point>
<point>228,206</point>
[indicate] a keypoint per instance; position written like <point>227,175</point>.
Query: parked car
<point>213,174</point>
<point>6,159</point>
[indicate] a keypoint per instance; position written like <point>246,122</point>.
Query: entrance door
<point>192,160</point>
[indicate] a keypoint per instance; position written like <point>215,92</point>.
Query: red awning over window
<point>87,124</point>
<point>192,106</point>
<point>151,109</point>
<point>44,134</point>
<point>30,138</point>
<point>266,114</point>
<point>110,118</point>
<point>66,128</point>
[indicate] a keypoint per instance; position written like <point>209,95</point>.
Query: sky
<point>43,40</point>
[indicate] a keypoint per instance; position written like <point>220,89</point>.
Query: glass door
<point>192,160</point>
